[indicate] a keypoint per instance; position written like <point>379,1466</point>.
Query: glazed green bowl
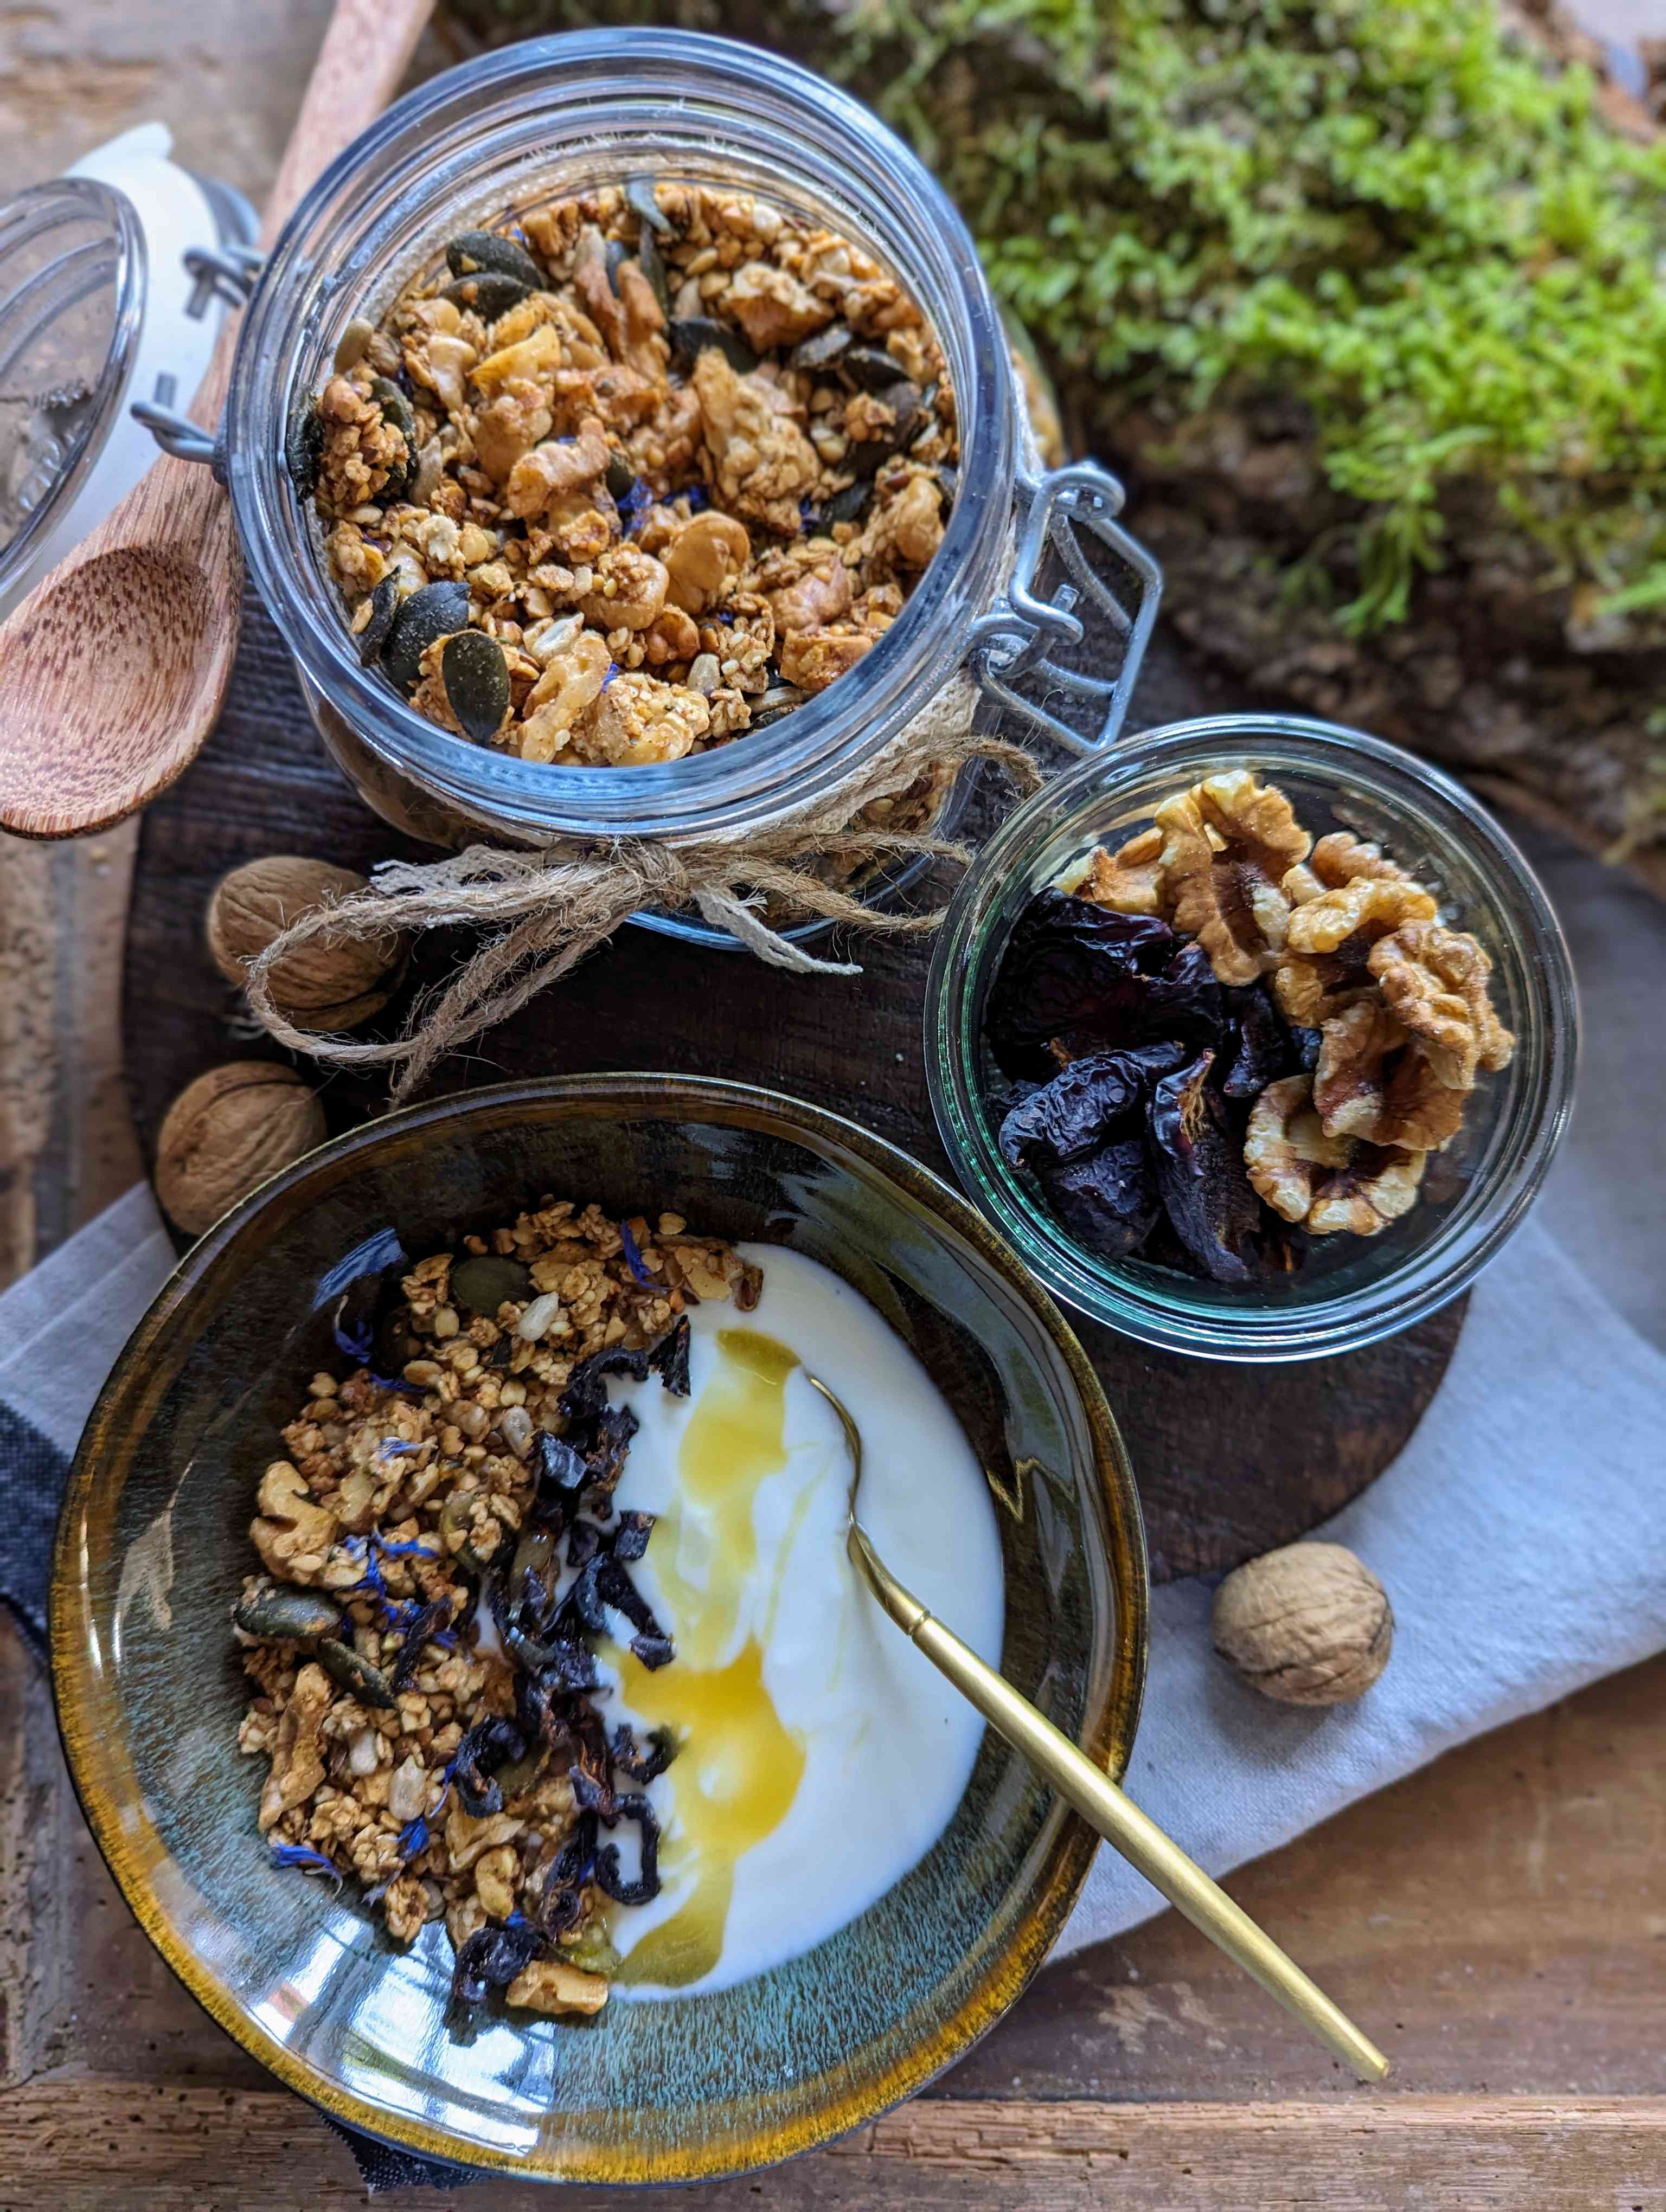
<point>153,1544</point>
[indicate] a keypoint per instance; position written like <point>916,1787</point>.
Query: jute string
<point>543,911</point>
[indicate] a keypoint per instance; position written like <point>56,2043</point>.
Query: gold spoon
<point>1099,1799</point>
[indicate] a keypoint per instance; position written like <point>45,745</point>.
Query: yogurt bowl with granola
<point>460,1664</point>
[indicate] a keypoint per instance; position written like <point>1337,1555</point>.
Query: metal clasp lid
<point>1045,645</point>
<point>227,272</point>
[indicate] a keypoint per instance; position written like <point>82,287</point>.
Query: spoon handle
<point>1117,1818</point>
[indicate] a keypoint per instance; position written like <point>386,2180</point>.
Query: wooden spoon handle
<point>365,54</point>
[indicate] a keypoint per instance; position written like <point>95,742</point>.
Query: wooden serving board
<point>1231,1459</point>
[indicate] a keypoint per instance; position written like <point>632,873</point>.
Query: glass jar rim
<point>820,142</point>
<point>1425,1279</point>
<point>121,263</point>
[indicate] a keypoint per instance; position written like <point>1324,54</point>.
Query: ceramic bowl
<point>153,1544</point>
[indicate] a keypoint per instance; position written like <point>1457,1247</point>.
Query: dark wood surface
<point>1231,1461</point>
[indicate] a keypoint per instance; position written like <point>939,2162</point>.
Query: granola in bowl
<point>440,1554</point>
<point>632,476</point>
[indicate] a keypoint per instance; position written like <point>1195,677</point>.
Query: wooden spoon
<point>113,669</point>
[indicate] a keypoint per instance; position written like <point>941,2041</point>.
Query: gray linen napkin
<point>1494,1531</point>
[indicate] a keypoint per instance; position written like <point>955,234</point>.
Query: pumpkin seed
<point>850,504</point>
<point>488,292</point>
<point>476,680</point>
<point>869,367</point>
<point>281,1609</point>
<point>303,447</point>
<point>522,1773</point>
<point>353,344</point>
<point>640,199</point>
<point>396,410</point>
<point>435,611</point>
<point>384,605</point>
<point>395,1345</point>
<point>651,262</point>
<point>620,476</point>
<point>355,1672</point>
<point>780,699</point>
<point>489,249</point>
<point>485,1282</point>
<point>823,349</point>
<point>691,334</point>
<point>904,400</point>
<point>616,254</point>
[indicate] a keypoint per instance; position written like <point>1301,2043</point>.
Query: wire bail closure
<point>229,274</point>
<point>1045,641</point>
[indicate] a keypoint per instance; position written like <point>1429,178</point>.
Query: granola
<point>679,454</point>
<point>425,1703</point>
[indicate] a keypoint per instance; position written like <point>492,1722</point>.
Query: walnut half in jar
<point>1325,1184</point>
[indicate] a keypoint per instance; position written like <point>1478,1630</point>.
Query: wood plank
<point>77,2144</point>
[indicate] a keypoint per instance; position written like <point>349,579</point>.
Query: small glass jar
<point>1475,1194</point>
<point>552,117</point>
<point>100,306</point>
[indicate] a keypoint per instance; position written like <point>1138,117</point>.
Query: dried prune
<point>1108,1200</point>
<point>1185,1000</point>
<point>1071,969</point>
<point>1265,1052</point>
<point>1200,1175</point>
<point>608,1878</point>
<point>489,1960</point>
<point>670,1358</point>
<point>489,1744</point>
<point>1073,1114</point>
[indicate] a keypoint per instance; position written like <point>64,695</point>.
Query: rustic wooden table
<point>1495,1921</point>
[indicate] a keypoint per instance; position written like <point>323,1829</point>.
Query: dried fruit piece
<point>1200,1173</point>
<point>1107,1201</point>
<point>1073,1116</point>
<point>1070,967</point>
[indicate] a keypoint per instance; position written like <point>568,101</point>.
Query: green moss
<point>1376,207</point>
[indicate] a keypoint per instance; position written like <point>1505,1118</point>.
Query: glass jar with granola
<point>627,444</point>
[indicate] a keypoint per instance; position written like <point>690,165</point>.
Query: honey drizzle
<point>739,1766</point>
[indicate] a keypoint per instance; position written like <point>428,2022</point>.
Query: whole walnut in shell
<point>229,1131</point>
<point>1309,1624</point>
<point>327,987</point>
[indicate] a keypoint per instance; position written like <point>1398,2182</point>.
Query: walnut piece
<point>1228,843</point>
<point>1434,980</point>
<point>550,1985</point>
<point>297,1761</point>
<point>1307,1625</point>
<point>1129,880</point>
<point>1329,1184</point>
<point>1367,906</point>
<point>1373,1081</point>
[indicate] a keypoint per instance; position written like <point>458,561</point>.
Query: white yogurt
<point>822,1755</point>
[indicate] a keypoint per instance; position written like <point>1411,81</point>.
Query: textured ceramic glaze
<point>153,1544</point>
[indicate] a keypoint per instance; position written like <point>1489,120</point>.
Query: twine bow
<point>543,912</point>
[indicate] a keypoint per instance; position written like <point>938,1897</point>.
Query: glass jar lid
<point>72,285</point>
